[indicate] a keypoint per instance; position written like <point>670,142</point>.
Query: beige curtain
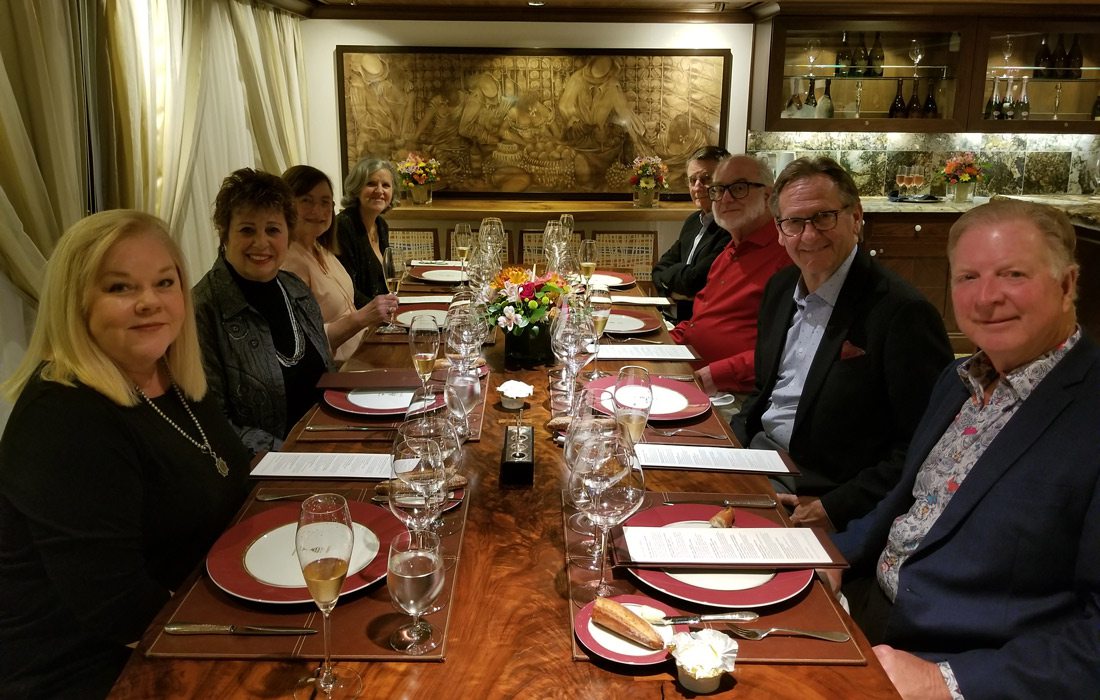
<point>43,160</point>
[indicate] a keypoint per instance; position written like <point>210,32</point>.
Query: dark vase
<point>528,349</point>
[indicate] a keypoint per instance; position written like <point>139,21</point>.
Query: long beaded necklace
<point>204,446</point>
<point>295,329</point>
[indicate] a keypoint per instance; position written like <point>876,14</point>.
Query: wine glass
<point>589,253</point>
<point>462,392</point>
<point>574,344</point>
<point>414,577</point>
<point>424,345</point>
<point>611,476</point>
<point>900,179</point>
<point>1006,52</point>
<point>916,54</point>
<point>916,179</point>
<point>324,541</point>
<point>587,423</point>
<point>633,399</point>
<point>566,221</point>
<point>462,236</point>
<point>393,269</point>
<point>599,306</point>
<point>813,51</point>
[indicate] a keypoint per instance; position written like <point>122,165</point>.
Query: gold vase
<point>964,192</point>
<point>421,194</point>
<point>646,198</point>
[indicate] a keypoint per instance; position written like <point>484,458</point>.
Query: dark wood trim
<point>529,14</point>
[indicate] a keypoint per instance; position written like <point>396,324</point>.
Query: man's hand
<point>705,381</point>
<point>914,678</point>
<point>808,511</point>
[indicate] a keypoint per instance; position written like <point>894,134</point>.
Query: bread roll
<point>723,518</point>
<point>623,622</point>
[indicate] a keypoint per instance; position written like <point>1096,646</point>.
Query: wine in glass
<point>462,237</point>
<point>599,306</point>
<point>917,179</point>
<point>900,179</point>
<point>393,268</point>
<point>424,345</point>
<point>323,541</point>
<point>589,253</point>
<point>633,398</point>
<point>414,578</point>
<point>462,392</point>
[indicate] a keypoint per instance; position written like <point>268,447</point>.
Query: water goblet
<point>414,578</point>
<point>633,399</point>
<point>573,341</point>
<point>462,392</point>
<point>424,345</point>
<point>324,541</point>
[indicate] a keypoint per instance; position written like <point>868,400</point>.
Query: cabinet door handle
<point>916,228</point>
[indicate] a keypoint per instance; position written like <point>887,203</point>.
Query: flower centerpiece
<point>417,175</point>
<point>963,171</point>
<point>523,306</point>
<point>648,179</point>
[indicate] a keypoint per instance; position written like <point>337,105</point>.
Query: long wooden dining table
<point>508,633</point>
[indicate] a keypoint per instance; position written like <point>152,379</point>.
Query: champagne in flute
<point>393,270</point>
<point>324,579</point>
<point>633,398</point>
<point>589,253</point>
<point>632,422</point>
<point>424,345</point>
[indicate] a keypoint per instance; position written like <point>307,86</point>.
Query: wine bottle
<point>914,110</point>
<point>931,109</point>
<point>995,101</point>
<point>825,104</point>
<point>897,109</point>
<point>1008,104</point>
<point>1074,59</point>
<point>1023,107</point>
<point>1096,109</point>
<point>811,99</point>
<point>859,58</point>
<point>1042,59</point>
<point>843,57</point>
<point>1058,59</point>
<point>877,58</point>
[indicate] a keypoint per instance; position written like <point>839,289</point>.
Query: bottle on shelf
<point>898,109</point>
<point>1042,59</point>
<point>1096,109</point>
<point>1008,104</point>
<point>993,106</point>
<point>931,109</point>
<point>1058,59</point>
<point>914,110</point>
<point>876,59</point>
<point>1023,106</point>
<point>811,99</point>
<point>824,108</point>
<point>843,57</point>
<point>1074,59</point>
<point>859,58</point>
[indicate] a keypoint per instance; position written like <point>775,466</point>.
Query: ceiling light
<point>535,3</point>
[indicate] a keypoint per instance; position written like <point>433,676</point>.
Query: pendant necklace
<point>203,446</point>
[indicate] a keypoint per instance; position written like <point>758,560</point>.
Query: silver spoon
<point>756,635</point>
<point>282,496</point>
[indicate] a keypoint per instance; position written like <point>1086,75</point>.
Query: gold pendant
<point>223,468</point>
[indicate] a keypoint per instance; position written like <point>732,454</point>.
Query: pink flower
<point>509,319</point>
<point>527,291</point>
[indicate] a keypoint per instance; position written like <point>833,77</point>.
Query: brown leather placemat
<point>361,623</point>
<point>397,378</point>
<point>710,423</point>
<point>813,608</point>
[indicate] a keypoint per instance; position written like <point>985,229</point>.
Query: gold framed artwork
<point>547,123</point>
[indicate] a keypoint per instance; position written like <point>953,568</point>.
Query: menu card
<point>425,299</point>
<point>436,263</point>
<point>335,465</point>
<point>716,458</point>
<point>640,301</point>
<point>726,547</point>
<point>637,351</point>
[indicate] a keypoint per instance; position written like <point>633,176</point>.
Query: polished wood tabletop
<point>509,634</point>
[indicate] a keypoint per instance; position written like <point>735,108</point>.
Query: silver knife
<point>320,428</point>
<point>203,628</point>
<point>738,616</point>
<point>742,501</point>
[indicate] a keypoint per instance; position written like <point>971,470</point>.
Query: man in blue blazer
<point>980,572</point>
<point>846,353</point>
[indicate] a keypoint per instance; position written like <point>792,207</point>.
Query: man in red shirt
<point>722,328</point>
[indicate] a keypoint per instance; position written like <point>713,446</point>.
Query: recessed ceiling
<point>523,10</point>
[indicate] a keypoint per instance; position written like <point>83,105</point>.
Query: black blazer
<point>357,257</point>
<point>867,387</point>
<point>672,274</point>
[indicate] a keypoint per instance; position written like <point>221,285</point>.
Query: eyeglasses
<point>701,179</point>
<point>794,225</point>
<point>738,190</point>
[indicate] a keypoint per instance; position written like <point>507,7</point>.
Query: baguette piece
<point>622,621</point>
<point>723,518</point>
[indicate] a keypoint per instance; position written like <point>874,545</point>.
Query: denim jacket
<point>239,354</point>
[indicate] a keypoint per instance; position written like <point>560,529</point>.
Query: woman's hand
<point>377,310</point>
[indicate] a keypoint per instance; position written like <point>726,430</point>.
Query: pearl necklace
<point>203,446</point>
<point>299,345</point>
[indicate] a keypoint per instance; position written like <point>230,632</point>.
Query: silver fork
<point>756,635</point>
<point>688,431</point>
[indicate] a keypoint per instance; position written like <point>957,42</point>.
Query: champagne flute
<point>813,50</point>
<point>566,221</point>
<point>633,399</point>
<point>599,305</point>
<point>424,345</point>
<point>916,54</point>
<point>589,252</point>
<point>462,236</point>
<point>462,392</point>
<point>393,269</point>
<point>323,541</point>
<point>414,578</point>
<point>900,179</point>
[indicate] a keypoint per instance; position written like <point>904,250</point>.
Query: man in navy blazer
<point>846,353</point>
<point>980,571</point>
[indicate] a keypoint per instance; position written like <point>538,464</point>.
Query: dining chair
<point>632,251</point>
<point>449,243</point>
<point>531,247</point>
<point>417,243</point>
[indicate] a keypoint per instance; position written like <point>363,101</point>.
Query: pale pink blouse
<point>332,288</point>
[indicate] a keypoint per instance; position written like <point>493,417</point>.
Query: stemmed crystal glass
<point>916,54</point>
<point>414,577</point>
<point>589,254</point>
<point>587,423</point>
<point>611,477</point>
<point>462,392</point>
<point>599,306</point>
<point>424,346</point>
<point>1006,52</point>
<point>573,340</point>
<point>633,399</point>
<point>462,236</point>
<point>324,541</point>
<point>813,50</point>
<point>901,179</point>
<point>393,268</point>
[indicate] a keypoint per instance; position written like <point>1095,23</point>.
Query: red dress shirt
<point>722,328</point>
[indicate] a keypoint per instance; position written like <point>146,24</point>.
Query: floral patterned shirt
<point>958,450</point>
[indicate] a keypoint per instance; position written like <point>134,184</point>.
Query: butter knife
<point>203,628</point>
<point>321,428</point>
<point>738,616</point>
<point>740,501</point>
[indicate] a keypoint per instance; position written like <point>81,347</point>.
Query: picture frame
<point>532,123</point>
